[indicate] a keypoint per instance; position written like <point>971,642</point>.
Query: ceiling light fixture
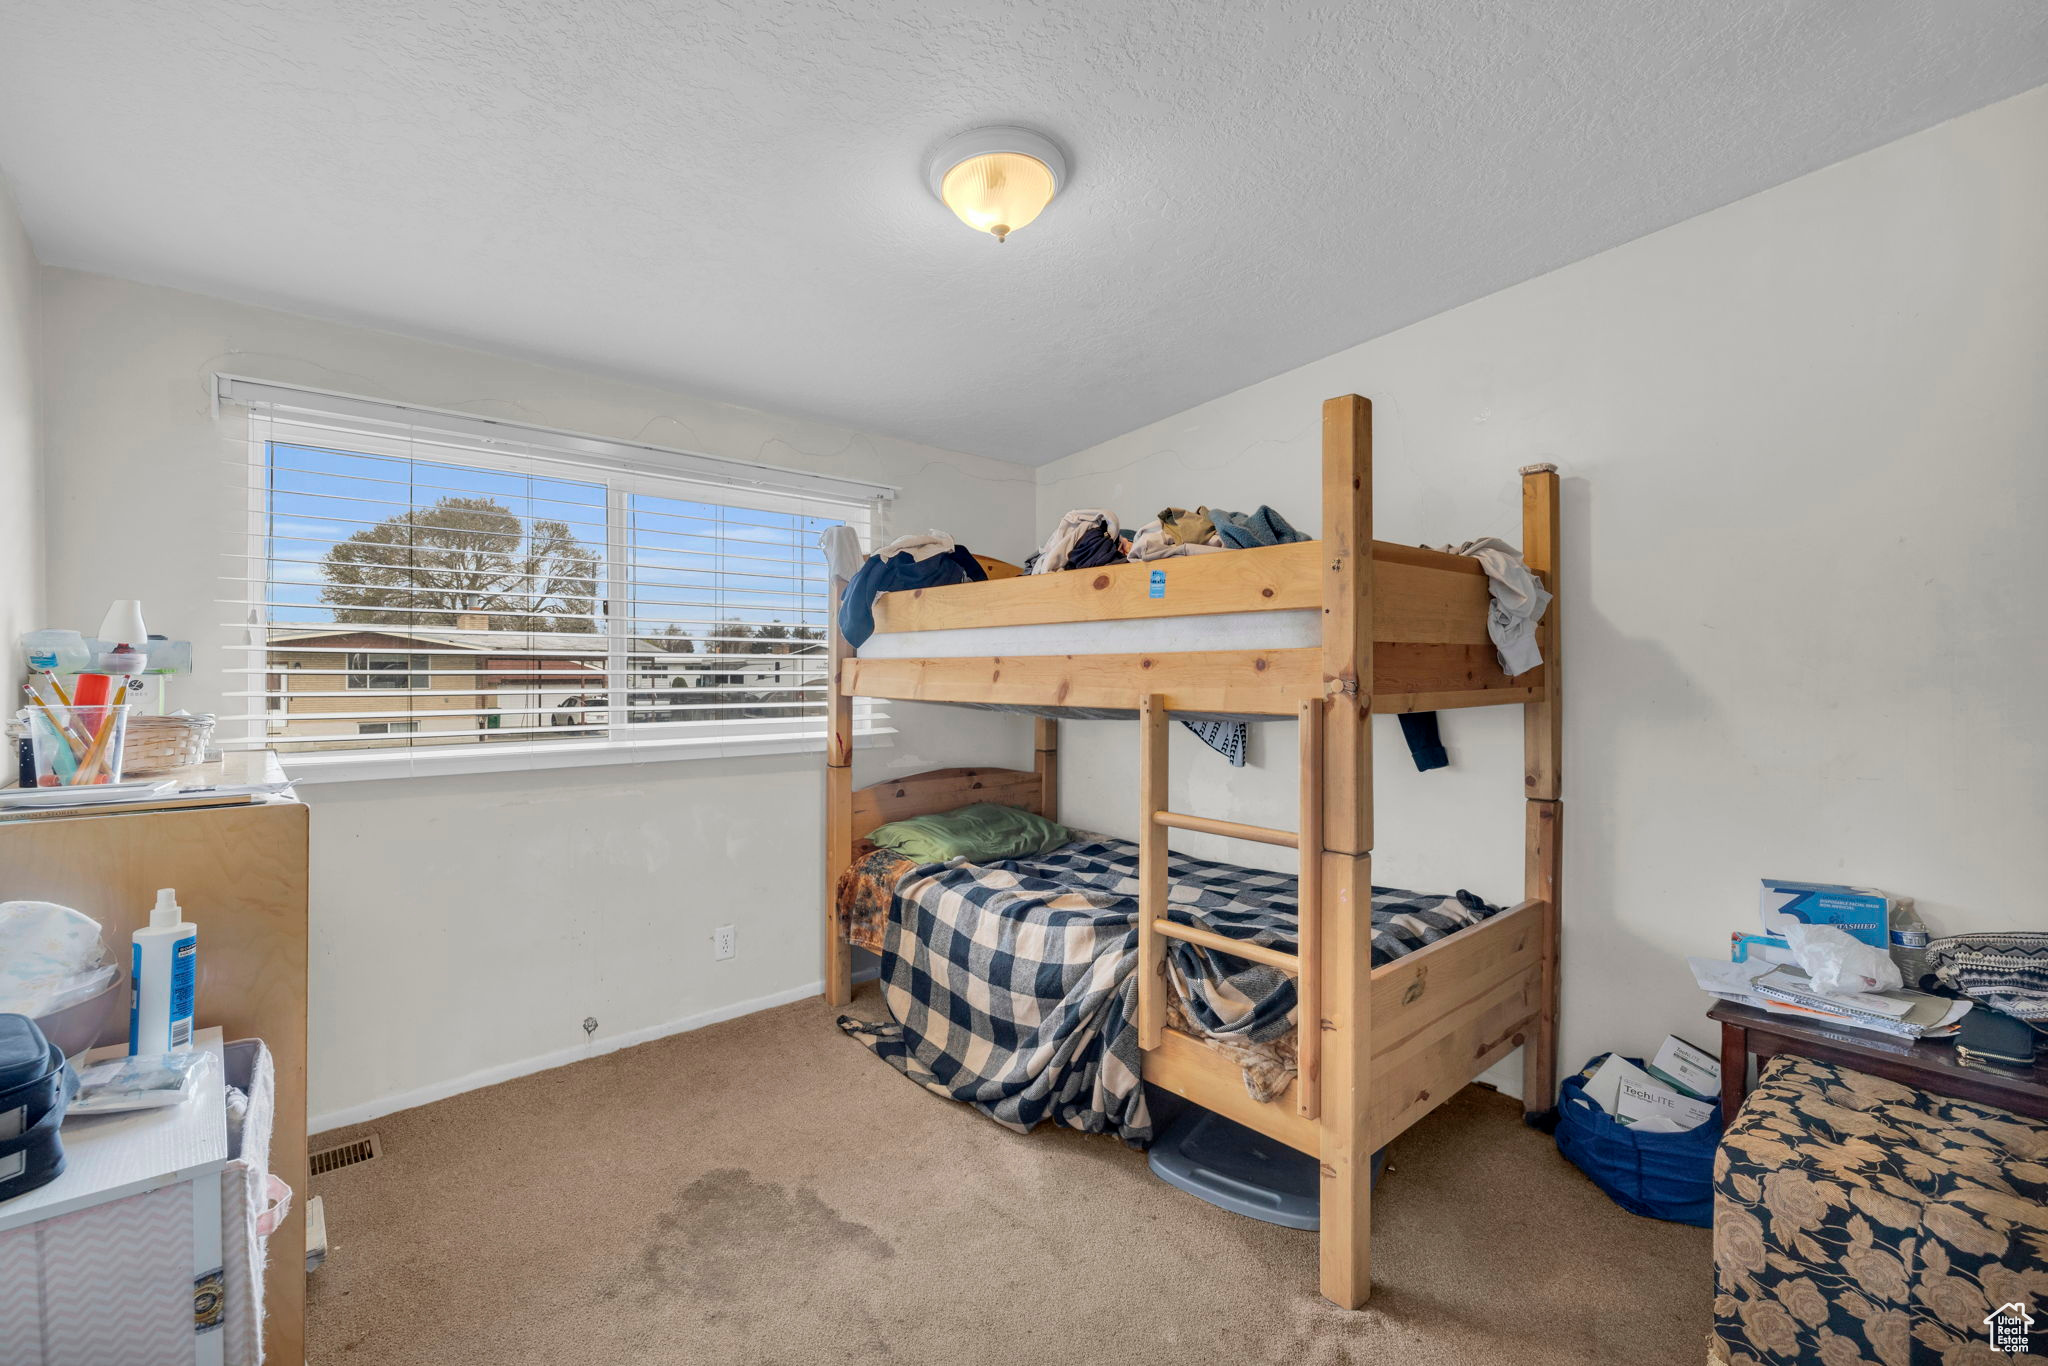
<point>997,179</point>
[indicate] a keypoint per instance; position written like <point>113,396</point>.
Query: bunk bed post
<point>838,806</point>
<point>1046,759</point>
<point>1345,941</point>
<point>1542,750</point>
<point>1152,883</point>
<point>1308,901</point>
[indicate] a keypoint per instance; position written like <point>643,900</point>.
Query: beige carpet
<point>767,1191</point>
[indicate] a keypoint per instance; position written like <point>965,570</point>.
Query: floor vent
<point>344,1155</point>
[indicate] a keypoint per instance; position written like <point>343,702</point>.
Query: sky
<point>687,563</point>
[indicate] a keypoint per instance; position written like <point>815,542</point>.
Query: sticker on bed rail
<point>1158,583</point>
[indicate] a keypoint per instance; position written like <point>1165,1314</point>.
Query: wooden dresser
<point>240,873</point>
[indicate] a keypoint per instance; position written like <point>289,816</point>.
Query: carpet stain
<point>738,1255</point>
<point>728,1229</point>
<point>844,1217</point>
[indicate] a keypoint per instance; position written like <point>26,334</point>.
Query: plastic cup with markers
<point>77,746</point>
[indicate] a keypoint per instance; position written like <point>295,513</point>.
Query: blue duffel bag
<point>1660,1176</point>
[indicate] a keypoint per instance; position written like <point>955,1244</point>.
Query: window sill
<point>449,760</point>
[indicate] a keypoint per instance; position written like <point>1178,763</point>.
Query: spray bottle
<point>127,642</point>
<point>163,980</point>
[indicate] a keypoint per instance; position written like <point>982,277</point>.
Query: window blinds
<point>435,591</point>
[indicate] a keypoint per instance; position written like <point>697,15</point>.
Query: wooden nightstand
<point>1747,1032</point>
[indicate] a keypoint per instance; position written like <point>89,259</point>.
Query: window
<point>433,593</point>
<point>387,671</point>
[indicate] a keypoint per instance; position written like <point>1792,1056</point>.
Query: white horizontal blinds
<point>406,591</point>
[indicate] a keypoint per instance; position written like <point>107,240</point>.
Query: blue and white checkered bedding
<point>1010,985</point>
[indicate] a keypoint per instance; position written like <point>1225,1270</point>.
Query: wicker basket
<point>158,744</point>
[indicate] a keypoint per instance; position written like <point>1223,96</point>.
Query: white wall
<point>463,927</point>
<point>21,539</point>
<point>1804,441</point>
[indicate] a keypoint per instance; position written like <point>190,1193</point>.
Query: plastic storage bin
<point>252,1203</point>
<point>1241,1170</point>
<point>172,1273</point>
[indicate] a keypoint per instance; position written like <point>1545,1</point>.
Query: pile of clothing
<point>1088,538</point>
<point>927,561</point>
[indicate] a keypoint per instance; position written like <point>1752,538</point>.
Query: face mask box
<point>1758,948</point>
<point>1858,911</point>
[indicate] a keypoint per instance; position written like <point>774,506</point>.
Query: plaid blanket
<point>1010,985</point>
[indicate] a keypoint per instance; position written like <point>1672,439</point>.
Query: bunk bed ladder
<point>1155,928</point>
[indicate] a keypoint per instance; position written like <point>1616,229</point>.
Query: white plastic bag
<point>50,957</point>
<point>1838,963</point>
<point>139,1083</point>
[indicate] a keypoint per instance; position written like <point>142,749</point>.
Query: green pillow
<point>982,833</point>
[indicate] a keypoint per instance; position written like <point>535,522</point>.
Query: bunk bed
<point>1361,627</point>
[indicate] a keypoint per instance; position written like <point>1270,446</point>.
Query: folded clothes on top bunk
<point>926,561</point>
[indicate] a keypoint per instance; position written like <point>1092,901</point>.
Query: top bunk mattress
<point>1286,629</point>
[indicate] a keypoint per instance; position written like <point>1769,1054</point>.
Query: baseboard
<point>491,1076</point>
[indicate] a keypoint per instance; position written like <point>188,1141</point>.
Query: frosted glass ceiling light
<point>998,179</point>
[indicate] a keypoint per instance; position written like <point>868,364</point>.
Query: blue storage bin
<point>1659,1176</point>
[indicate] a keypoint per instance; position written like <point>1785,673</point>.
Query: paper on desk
<point>1729,981</point>
<point>239,789</point>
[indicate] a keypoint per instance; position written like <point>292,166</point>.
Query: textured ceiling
<point>728,197</point>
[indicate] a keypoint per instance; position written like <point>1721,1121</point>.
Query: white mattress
<point>1293,629</point>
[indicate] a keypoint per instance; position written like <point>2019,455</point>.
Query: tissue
<point>1838,963</point>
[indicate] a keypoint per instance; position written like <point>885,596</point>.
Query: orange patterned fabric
<point>867,889</point>
<point>1858,1222</point>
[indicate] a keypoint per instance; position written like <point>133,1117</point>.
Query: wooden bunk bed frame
<point>1403,630</point>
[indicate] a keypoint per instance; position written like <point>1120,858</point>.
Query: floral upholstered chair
<point>1860,1221</point>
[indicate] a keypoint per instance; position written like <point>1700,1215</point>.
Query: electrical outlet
<point>722,946</point>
